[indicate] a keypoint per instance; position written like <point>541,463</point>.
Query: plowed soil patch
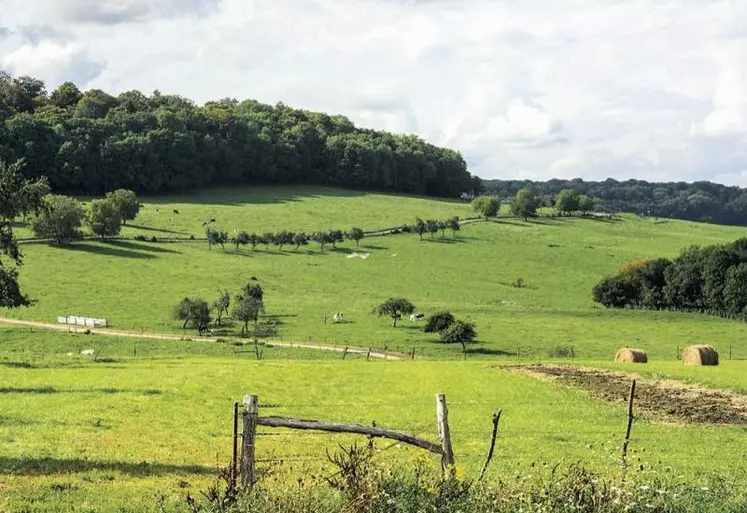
<point>674,401</point>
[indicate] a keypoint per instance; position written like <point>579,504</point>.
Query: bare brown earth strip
<point>670,400</point>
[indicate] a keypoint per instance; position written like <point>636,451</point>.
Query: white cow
<point>338,317</point>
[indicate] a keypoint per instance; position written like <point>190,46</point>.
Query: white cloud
<point>524,89</point>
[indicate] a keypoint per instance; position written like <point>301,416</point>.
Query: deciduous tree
<point>59,219</point>
<point>103,218</point>
<point>486,206</point>
<point>459,332</point>
<point>394,308</point>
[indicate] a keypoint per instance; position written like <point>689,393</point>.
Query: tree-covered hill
<point>697,201</point>
<point>92,142</point>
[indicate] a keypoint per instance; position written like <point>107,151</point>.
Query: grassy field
<point>135,284</point>
<point>135,435</point>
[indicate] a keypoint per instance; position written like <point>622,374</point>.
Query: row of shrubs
<point>60,218</point>
<point>711,279</point>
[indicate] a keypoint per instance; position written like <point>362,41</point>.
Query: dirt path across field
<point>382,355</point>
<point>671,400</point>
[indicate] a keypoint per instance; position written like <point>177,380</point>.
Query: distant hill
<point>697,201</point>
<point>92,142</point>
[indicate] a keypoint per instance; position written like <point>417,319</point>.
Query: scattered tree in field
<point>126,202</point>
<point>454,225</point>
<point>240,239</point>
<point>215,237</point>
<point>254,290</point>
<point>524,204</point>
<point>459,332</point>
<point>59,219</point>
<point>420,227</point>
<point>432,227</point>
<point>443,225</point>
<point>357,235</point>
<point>193,311</point>
<point>247,309</point>
<point>586,204</point>
<point>103,218</point>
<point>267,239</point>
<point>254,239</point>
<point>486,206</point>
<point>395,308</point>
<point>336,236</point>
<point>439,322</point>
<point>300,239</point>
<point>567,201</point>
<point>221,305</point>
<point>321,238</point>
<point>282,238</point>
<point>18,196</point>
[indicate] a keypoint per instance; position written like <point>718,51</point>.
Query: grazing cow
<point>176,211</point>
<point>88,352</point>
<point>338,317</point>
<point>416,317</point>
<point>212,220</point>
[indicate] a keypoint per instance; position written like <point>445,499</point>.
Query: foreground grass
<point>117,436</point>
<point>136,284</point>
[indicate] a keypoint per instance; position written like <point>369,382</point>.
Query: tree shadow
<point>511,222</point>
<point>106,250</point>
<point>149,229</point>
<point>371,247</point>
<point>53,390</point>
<point>488,352</point>
<point>253,195</point>
<point>51,466</point>
<point>440,240</point>
<point>141,247</point>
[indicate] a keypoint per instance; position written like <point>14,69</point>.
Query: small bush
<point>439,322</point>
<point>561,352</point>
<point>142,238</point>
<point>191,237</point>
<point>519,283</point>
<point>153,239</point>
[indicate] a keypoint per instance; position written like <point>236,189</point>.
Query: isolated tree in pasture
<point>126,202</point>
<point>254,290</point>
<point>335,236</point>
<point>300,239</point>
<point>247,309</point>
<point>59,219</point>
<point>524,204</point>
<point>454,225</point>
<point>193,311</point>
<point>394,308</point>
<point>420,227</point>
<point>215,237</point>
<point>357,235</point>
<point>432,227</point>
<point>240,239</point>
<point>18,197</point>
<point>439,322</point>
<point>221,305</point>
<point>567,201</point>
<point>459,332</point>
<point>586,204</point>
<point>103,218</point>
<point>486,206</point>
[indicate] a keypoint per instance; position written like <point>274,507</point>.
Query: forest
<point>92,142</point>
<point>697,201</point>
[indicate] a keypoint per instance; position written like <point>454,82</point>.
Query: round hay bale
<point>628,355</point>
<point>700,355</point>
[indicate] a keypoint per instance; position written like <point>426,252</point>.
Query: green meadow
<point>143,423</point>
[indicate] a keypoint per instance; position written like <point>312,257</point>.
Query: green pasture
<point>139,435</point>
<point>135,284</point>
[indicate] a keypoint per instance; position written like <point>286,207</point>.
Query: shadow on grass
<point>149,229</point>
<point>141,247</point>
<point>50,466</point>
<point>444,240</point>
<point>52,390</point>
<point>13,421</point>
<point>370,246</point>
<point>488,352</point>
<point>106,250</point>
<point>512,222</point>
<point>254,196</point>
<point>17,365</point>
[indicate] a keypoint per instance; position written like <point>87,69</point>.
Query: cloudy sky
<point>652,89</point>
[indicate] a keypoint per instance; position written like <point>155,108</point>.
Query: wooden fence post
<point>251,413</point>
<point>442,417</point>
<point>630,425</point>
<point>235,453</point>
<point>368,356</point>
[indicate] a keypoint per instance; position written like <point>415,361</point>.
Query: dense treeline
<point>91,142</point>
<point>711,279</point>
<point>697,201</point>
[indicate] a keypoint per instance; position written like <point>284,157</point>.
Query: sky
<point>525,89</point>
